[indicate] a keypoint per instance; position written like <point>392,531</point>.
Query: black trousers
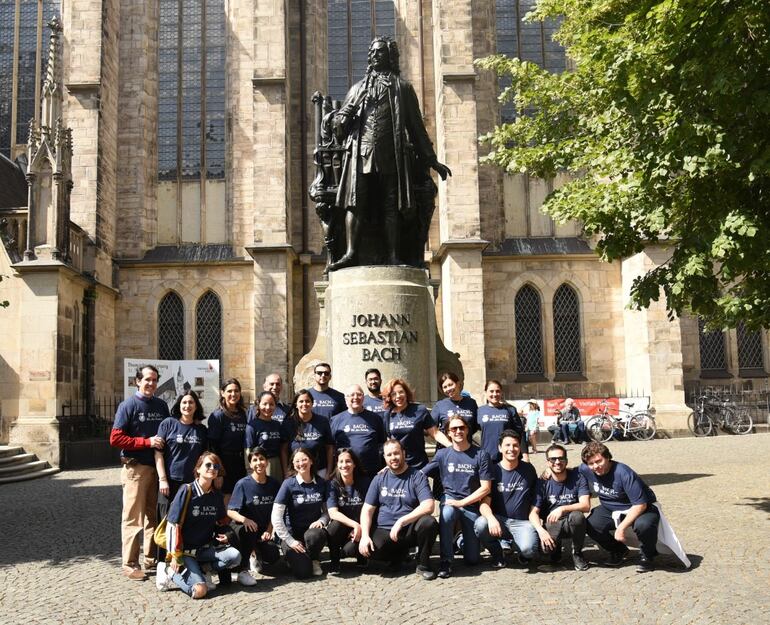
<point>571,526</point>
<point>340,545</point>
<point>601,528</point>
<point>266,550</point>
<point>421,534</point>
<point>301,564</point>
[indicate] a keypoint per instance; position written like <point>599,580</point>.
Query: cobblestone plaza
<point>59,561</point>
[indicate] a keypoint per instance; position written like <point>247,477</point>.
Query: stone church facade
<point>186,231</point>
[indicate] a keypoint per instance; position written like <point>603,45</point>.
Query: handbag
<point>160,531</point>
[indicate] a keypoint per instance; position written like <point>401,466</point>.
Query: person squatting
<point>350,473</point>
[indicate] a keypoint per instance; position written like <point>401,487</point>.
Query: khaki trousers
<point>139,517</point>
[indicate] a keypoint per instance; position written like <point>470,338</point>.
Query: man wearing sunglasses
<point>327,401</point>
<point>559,510</point>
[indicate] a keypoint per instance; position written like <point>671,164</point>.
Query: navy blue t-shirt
<point>409,427</point>
<point>184,445</point>
<point>316,434</point>
<point>265,434</point>
<point>227,432</point>
<point>203,512</point>
<point>513,492</point>
<point>494,421</point>
<point>304,502</point>
<point>461,471</point>
<point>397,495</point>
<point>254,500</point>
<point>348,499</point>
<point>364,433</point>
<point>327,403</point>
<point>620,488</point>
<point>279,414</point>
<point>552,494</point>
<point>447,408</point>
<point>139,416</point>
<point>375,405</point>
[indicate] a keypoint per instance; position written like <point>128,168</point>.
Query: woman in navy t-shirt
<point>299,516</point>
<point>409,422</point>
<point>494,418</point>
<point>347,491</point>
<point>227,432</point>
<point>197,533</point>
<point>266,433</point>
<point>304,428</point>
<point>455,403</point>
<point>185,440</point>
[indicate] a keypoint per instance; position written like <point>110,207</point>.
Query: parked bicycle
<point>638,424</point>
<point>711,413</point>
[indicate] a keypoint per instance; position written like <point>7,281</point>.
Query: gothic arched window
<point>529,333</point>
<point>208,327</point>
<point>566,331</point>
<point>171,327</point>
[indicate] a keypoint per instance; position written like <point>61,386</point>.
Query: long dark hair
<point>299,430</point>
<point>358,473</point>
<point>291,472</point>
<point>176,410</point>
<point>259,401</point>
<point>240,407</point>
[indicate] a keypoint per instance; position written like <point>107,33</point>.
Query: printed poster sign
<point>176,376</point>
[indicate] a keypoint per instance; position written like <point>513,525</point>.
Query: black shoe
<point>445,570</point>
<point>425,572</point>
<point>555,556</point>
<point>616,557</point>
<point>579,561</point>
<point>645,564</point>
<point>498,564</point>
<point>394,566</point>
<point>361,562</point>
<point>225,577</point>
<point>524,561</point>
<point>334,567</point>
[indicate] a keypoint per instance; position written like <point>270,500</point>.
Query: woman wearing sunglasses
<point>196,534</point>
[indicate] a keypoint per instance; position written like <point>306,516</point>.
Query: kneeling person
<point>402,499</point>
<point>560,506</point>
<point>505,514</point>
<point>622,491</point>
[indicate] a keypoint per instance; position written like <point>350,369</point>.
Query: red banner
<point>588,406</point>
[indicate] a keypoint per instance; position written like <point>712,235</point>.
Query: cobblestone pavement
<point>59,546</point>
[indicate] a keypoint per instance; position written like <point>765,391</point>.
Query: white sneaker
<point>246,579</point>
<point>253,562</point>
<point>163,579</point>
<point>317,570</point>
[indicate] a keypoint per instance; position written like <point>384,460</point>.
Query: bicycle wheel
<point>599,428</point>
<point>699,423</point>
<point>739,422</point>
<point>642,426</point>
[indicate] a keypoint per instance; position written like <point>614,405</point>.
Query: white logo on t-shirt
<point>485,418</point>
<point>451,467</point>
<point>346,428</point>
<point>195,511</point>
<point>300,499</point>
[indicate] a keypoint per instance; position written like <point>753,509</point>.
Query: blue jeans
<point>521,532</point>
<point>221,559</point>
<point>446,528</point>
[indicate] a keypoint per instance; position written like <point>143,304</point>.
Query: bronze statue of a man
<point>387,148</point>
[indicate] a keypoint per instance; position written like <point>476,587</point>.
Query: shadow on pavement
<point>657,479</point>
<point>760,503</point>
<point>59,522</point>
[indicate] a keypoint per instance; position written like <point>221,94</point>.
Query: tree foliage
<point>664,125</point>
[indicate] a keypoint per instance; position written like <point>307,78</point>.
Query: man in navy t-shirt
<point>466,473</point>
<point>327,401</point>
<point>274,384</point>
<point>505,514</point>
<point>359,430</point>
<point>621,490</point>
<point>560,506</point>
<point>401,497</point>
<point>135,432</point>
<point>373,398</point>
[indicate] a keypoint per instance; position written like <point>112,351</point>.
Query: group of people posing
<point>350,472</point>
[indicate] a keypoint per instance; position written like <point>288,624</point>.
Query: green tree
<point>664,125</point>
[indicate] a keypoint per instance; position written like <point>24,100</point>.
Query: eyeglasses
<point>320,373</point>
<point>557,459</point>
<point>212,465</point>
<point>458,428</point>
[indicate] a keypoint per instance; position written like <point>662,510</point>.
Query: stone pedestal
<point>382,317</point>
